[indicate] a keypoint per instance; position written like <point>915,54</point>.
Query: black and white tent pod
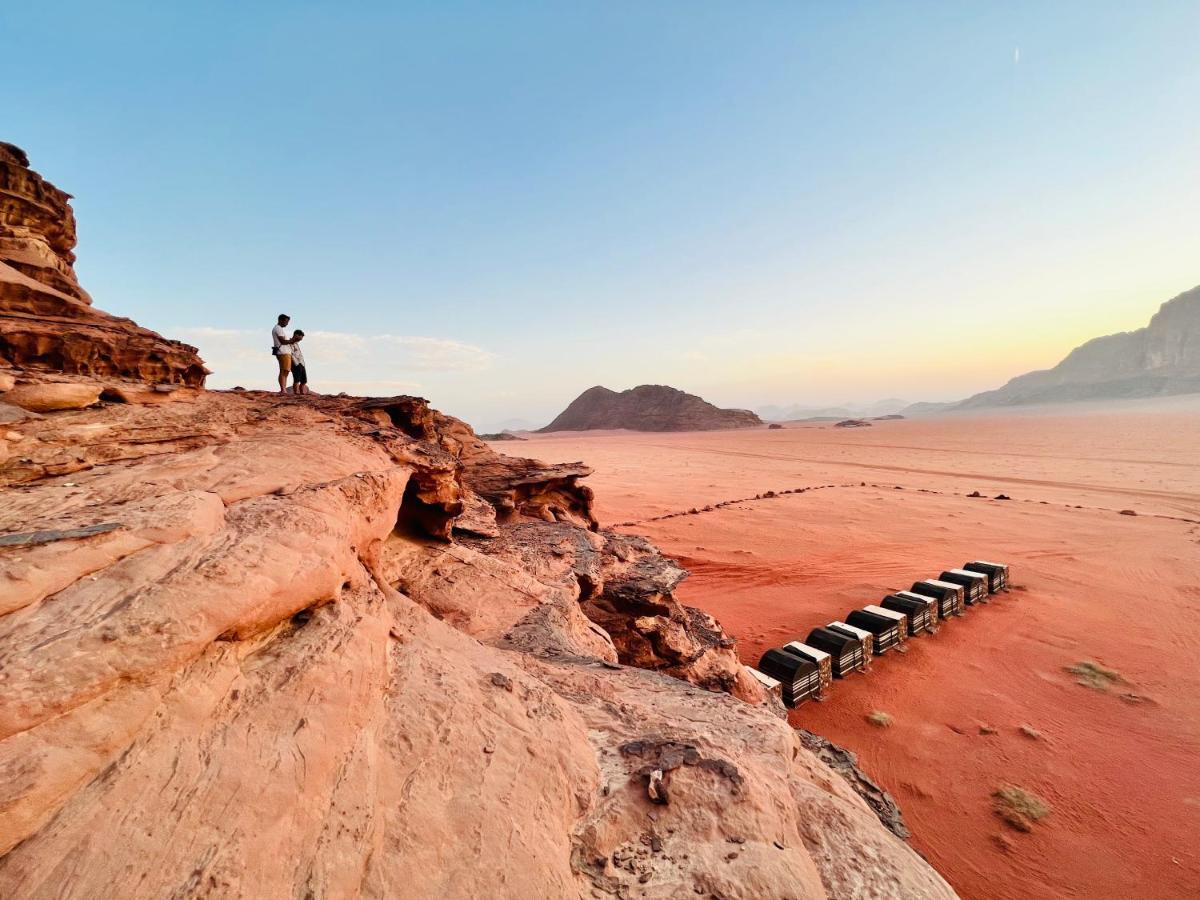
<point>823,661</point>
<point>771,685</point>
<point>901,619</point>
<point>920,611</point>
<point>799,677</point>
<point>975,584</point>
<point>885,629</point>
<point>997,573</point>
<point>865,638</point>
<point>847,652</point>
<point>949,596</point>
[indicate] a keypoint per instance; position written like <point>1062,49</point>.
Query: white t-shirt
<point>278,336</point>
<point>297,356</point>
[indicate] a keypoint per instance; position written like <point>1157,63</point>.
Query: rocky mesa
<point>261,646</point>
<point>1162,359</point>
<point>648,407</point>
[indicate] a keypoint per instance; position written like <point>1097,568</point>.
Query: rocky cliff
<point>47,321</point>
<point>648,407</point>
<point>1159,360</point>
<point>265,647</point>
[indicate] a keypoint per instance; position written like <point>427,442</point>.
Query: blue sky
<point>497,205</point>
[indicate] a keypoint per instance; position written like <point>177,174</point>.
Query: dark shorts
<point>299,374</point>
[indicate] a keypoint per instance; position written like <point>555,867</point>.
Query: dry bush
<point>882,719</point>
<point>1095,676</point>
<point>1018,807</point>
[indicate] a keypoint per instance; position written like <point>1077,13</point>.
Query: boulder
<point>53,397</point>
<point>7,382</point>
<point>140,393</point>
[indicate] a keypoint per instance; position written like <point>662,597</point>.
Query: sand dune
<point>875,509</point>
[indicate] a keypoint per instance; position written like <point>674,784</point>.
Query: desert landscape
<point>989,700</point>
<point>263,645</point>
<point>599,452</point>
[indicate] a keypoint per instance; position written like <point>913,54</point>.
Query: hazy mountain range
<point>845,411</point>
<point>1159,360</point>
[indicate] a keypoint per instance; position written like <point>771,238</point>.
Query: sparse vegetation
<point>986,729</point>
<point>1095,676</point>
<point>1018,807</point>
<point>880,719</point>
<point>1030,732</point>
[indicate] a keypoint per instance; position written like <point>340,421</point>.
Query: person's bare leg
<point>284,368</point>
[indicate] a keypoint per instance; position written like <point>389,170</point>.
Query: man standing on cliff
<point>281,347</point>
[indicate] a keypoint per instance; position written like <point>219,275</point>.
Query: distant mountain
<point>845,411</point>
<point>1161,359</point>
<point>497,426</point>
<point>648,407</point>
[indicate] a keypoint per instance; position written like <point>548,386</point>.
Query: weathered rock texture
<point>648,407</point>
<point>47,322</point>
<point>264,647</point>
<point>1159,360</point>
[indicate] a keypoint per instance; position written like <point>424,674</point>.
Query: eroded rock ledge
<point>268,647</point>
<point>280,668</point>
<point>47,321</point>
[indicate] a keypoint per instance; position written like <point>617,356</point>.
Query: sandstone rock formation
<point>49,397</point>
<point>47,322</point>
<point>252,646</point>
<point>267,647</point>
<point>1159,360</point>
<point>648,407</point>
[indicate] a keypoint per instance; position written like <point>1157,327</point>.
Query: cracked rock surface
<point>246,652</point>
<point>260,647</point>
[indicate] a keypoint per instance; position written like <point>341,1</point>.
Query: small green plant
<point>1018,807</point>
<point>881,719</point>
<point>1095,676</point>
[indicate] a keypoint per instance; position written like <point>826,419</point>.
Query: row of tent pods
<point>799,671</point>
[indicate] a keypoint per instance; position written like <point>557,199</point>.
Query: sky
<point>497,205</point>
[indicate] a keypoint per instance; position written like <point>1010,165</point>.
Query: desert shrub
<point>882,719</point>
<point>1018,807</point>
<point>1095,676</point>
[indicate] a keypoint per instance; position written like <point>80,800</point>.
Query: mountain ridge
<point>647,407</point>
<point>1158,360</point>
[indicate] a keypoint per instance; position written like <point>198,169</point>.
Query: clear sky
<point>499,204</point>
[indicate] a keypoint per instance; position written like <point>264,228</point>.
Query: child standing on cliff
<point>281,347</point>
<point>299,372</point>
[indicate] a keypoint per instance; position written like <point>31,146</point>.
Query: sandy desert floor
<point>888,504</point>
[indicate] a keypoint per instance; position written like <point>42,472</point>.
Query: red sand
<point>1123,778</point>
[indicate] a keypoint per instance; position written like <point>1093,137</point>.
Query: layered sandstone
<point>47,321</point>
<point>269,647</point>
<point>254,646</point>
<point>648,407</point>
